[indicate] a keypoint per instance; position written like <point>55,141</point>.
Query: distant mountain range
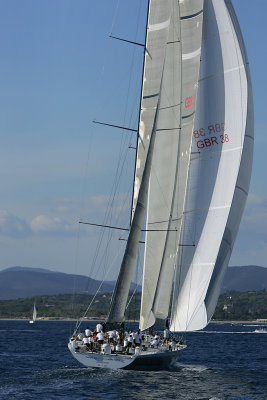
<point>21,282</point>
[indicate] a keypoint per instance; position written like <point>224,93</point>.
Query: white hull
<point>148,359</point>
<point>31,322</point>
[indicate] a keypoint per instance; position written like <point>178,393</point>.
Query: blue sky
<point>58,71</point>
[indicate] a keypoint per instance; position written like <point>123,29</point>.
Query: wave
<point>193,368</point>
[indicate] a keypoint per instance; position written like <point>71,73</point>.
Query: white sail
<point>34,314</point>
<point>155,48</point>
<point>171,158</point>
<point>156,41</point>
<point>219,175</point>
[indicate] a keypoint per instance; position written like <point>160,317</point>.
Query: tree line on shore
<point>231,306</point>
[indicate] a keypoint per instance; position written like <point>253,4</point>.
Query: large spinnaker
<point>171,157</point>
<point>219,175</point>
<point>241,189</point>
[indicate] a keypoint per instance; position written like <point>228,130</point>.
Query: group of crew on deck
<point>122,341</point>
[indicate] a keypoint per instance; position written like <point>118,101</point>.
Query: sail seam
<point>167,129</point>
<point>207,208</point>
<point>174,105</point>
<point>161,222</point>
<point>222,72</point>
<point>214,152</point>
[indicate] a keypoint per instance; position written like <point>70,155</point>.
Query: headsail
<point>219,176</point>
<point>171,158</point>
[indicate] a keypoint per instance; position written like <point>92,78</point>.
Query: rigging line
<point>115,126</point>
<point>116,182</point>
<point>101,284</point>
<point>108,214</point>
<point>82,208</point>
<point>112,198</point>
<point>127,41</point>
<point>135,290</point>
<point>127,229</point>
<point>105,252</point>
<point>114,17</point>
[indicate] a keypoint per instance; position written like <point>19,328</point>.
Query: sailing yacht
<point>34,315</point>
<point>193,167</point>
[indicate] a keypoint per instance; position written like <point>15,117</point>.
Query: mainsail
<point>156,41</point>
<point>171,158</point>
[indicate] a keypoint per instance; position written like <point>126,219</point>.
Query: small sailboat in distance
<point>192,174</point>
<point>34,315</point>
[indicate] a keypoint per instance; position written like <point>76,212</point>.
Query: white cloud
<point>94,207</point>
<point>46,224</point>
<point>13,226</point>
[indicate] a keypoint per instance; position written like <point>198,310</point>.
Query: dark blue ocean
<point>225,361</point>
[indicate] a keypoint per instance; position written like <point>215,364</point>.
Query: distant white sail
<point>219,175</point>
<point>34,315</point>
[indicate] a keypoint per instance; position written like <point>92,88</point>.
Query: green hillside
<point>231,306</point>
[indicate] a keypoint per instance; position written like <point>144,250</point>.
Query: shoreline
<point>257,321</point>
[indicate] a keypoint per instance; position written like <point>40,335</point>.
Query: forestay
<point>219,175</point>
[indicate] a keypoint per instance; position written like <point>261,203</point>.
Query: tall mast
<point>121,291</point>
<point>120,295</point>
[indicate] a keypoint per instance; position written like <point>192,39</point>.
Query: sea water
<point>225,361</point>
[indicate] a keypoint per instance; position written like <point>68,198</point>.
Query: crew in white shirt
<point>88,332</point>
<point>100,337</point>
<point>91,342</point>
<point>155,341</point>
<point>111,336</point>
<point>85,341</point>
<point>99,328</point>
